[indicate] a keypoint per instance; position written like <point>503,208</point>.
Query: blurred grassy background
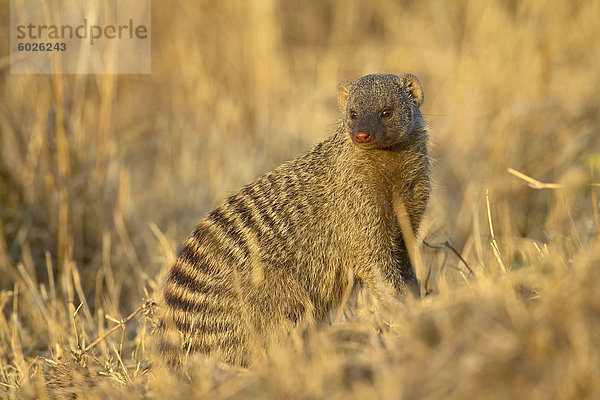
<point>102,177</point>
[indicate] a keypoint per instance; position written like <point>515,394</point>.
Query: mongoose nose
<point>362,137</point>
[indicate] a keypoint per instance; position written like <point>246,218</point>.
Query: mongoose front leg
<point>391,277</point>
<point>404,267</point>
<point>408,219</point>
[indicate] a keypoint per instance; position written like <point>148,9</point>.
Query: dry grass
<point>103,176</point>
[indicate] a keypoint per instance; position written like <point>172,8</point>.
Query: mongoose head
<point>379,111</point>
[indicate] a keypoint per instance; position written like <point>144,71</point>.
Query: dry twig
<point>534,183</point>
<point>147,305</point>
<point>448,245</point>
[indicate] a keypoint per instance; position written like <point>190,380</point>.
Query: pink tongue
<point>362,137</point>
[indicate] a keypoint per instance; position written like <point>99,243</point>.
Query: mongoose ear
<point>343,89</point>
<point>413,87</point>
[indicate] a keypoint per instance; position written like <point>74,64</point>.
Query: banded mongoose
<point>279,253</point>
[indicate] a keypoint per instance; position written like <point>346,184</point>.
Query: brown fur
<point>278,253</point>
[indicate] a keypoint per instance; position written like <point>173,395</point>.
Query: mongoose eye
<point>353,115</point>
<point>386,113</point>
